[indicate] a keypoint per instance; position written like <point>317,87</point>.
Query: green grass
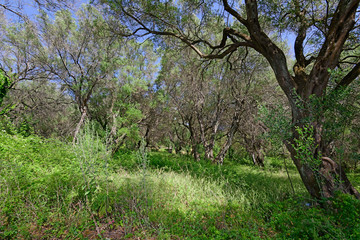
<point>49,189</point>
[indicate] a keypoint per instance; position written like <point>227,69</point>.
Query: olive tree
<point>212,101</point>
<point>324,30</point>
<point>79,54</point>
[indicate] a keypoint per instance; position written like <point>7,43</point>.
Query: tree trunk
<point>195,153</point>
<point>221,155</point>
<point>311,78</point>
<point>194,140</point>
<point>207,144</point>
<point>118,141</point>
<point>209,152</point>
<point>328,176</point>
<point>323,181</point>
<point>253,147</point>
<point>176,143</point>
<point>80,123</point>
<point>230,136</point>
<point>258,158</point>
<point>147,135</point>
<point>209,141</point>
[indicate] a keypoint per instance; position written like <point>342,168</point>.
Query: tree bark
<point>230,136</point>
<point>80,123</point>
<point>311,75</point>
<point>329,177</point>
<point>253,147</point>
<point>194,139</point>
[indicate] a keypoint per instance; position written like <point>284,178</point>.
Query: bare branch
<point>14,12</point>
<point>191,44</point>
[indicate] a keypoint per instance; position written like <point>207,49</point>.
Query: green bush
<point>337,218</point>
<point>38,179</point>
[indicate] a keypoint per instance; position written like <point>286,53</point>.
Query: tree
<point>79,54</point>
<point>16,7</point>
<point>122,104</point>
<point>19,63</point>
<point>54,64</point>
<point>325,31</point>
<point>43,108</point>
<point>211,101</point>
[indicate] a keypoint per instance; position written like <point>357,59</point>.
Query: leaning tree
<point>326,38</point>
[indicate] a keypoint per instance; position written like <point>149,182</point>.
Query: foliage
<point>29,176</point>
<point>92,155</point>
<point>52,189</point>
<point>305,147</point>
<point>222,30</point>
<point>79,72</point>
<point>278,122</point>
<point>300,219</point>
<point>4,86</point>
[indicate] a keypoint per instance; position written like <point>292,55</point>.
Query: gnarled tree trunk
<point>310,76</point>
<point>327,176</point>
<point>324,180</point>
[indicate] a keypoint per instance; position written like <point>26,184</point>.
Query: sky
<point>290,38</point>
<point>31,11</point>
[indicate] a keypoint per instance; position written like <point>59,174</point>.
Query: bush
<point>302,219</point>
<point>39,179</point>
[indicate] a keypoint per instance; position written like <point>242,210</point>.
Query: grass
<point>50,190</point>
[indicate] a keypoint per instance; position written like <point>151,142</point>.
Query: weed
<point>49,189</point>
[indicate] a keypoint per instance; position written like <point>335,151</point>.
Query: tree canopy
<point>193,75</point>
<point>324,32</point>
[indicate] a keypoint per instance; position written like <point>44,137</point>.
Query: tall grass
<point>49,189</point>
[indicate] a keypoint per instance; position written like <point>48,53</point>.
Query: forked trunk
<point>258,159</point>
<point>80,123</point>
<point>326,180</point>
<point>224,149</point>
<point>324,176</point>
<point>230,135</point>
<point>209,153</point>
<point>321,175</point>
<point>253,147</point>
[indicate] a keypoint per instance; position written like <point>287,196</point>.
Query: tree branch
<point>14,12</point>
<point>349,78</point>
<point>234,13</point>
<point>191,44</point>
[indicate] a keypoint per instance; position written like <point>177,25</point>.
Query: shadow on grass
<point>160,206</point>
<point>272,185</point>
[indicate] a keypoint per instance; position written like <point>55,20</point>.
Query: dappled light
<point>134,119</point>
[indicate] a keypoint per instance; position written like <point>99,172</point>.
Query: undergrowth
<point>51,190</point>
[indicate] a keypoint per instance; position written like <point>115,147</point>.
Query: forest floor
<point>52,190</point>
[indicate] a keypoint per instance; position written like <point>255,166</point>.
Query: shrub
<point>302,219</point>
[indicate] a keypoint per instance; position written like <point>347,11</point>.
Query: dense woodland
<point>184,119</point>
